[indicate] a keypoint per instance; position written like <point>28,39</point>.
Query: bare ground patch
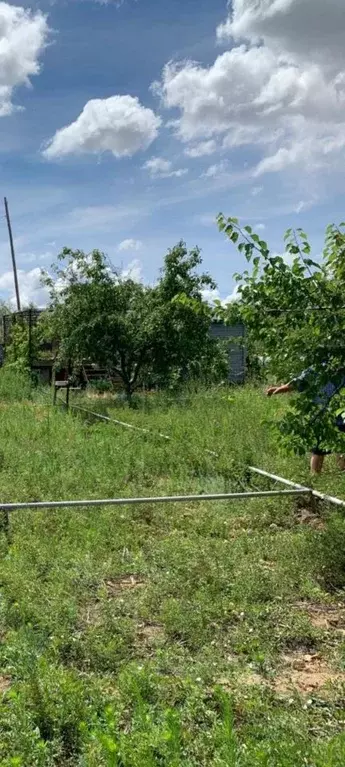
<point>5,684</point>
<point>117,586</point>
<point>306,674</point>
<point>328,617</point>
<point>310,517</point>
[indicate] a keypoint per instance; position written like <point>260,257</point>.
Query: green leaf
<point>248,229</point>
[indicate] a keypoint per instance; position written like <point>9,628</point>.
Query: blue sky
<point>248,119</point>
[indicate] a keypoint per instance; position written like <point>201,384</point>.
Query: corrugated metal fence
<point>237,351</point>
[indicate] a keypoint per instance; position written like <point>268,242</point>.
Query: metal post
<point>67,394</point>
<point>30,339</point>
<point>14,266</point>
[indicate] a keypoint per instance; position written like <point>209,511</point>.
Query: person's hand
<point>270,391</point>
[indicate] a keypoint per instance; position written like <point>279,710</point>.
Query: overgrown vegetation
<point>145,335</point>
<point>293,308</point>
<point>209,635</point>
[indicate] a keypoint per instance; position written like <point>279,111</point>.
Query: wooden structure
<point>90,373</point>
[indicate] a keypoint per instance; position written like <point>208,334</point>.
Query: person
<point>324,397</point>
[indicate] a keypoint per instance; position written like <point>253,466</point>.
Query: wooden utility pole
<point>12,254</point>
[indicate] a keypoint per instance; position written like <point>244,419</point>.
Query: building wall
<point>237,350</point>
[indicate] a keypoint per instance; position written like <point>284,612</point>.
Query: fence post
<point>67,394</point>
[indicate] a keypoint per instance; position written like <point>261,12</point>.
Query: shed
<point>237,350</point>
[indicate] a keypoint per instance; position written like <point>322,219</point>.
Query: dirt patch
<point>5,684</point>
<point>310,518</point>
<point>117,586</point>
<point>327,617</point>
<point>306,674</point>
<point>91,615</point>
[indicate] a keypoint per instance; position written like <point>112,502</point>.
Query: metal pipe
<point>164,499</point>
<point>328,498</point>
<point>314,493</point>
<point>276,478</point>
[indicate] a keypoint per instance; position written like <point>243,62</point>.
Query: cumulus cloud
<point>119,124</point>
<point>134,271</point>
<point>202,149</point>
<point>215,170</point>
<point>23,36</point>
<point>30,287</point>
<point>160,168</point>
<point>130,245</point>
<point>281,87</point>
<point>210,296</point>
<point>297,26</point>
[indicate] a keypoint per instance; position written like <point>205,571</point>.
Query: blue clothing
<point>326,392</point>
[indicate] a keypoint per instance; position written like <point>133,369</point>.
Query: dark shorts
<point>340,424</point>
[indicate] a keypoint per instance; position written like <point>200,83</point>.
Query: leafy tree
<point>141,333</point>
<point>24,346</point>
<point>293,307</point>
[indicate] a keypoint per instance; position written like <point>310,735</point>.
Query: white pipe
<point>328,498</point>
<point>164,499</point>
<point>277,479</point>
<point>314,493</point>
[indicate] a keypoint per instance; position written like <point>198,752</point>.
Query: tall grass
<point>14,385</point>
<point>154,636</point>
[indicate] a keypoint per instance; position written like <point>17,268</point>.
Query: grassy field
<point>159,636</point>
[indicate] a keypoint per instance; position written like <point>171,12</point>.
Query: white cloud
<point>30,288</point>
<point>134,271</point>
<point>23,36</point>
<point>214,295</point>
<point>215,170</point>
<point>130,245</point>
<point>202,149</point>
<point>283,91</point>
<point>119,124</point>
<point>260,227</point>
<point>160,168</point>
<point>302,27</point>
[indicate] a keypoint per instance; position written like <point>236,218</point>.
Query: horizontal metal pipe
<point>36,505</point>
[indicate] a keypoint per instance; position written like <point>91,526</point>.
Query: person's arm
<point>284,389</point>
